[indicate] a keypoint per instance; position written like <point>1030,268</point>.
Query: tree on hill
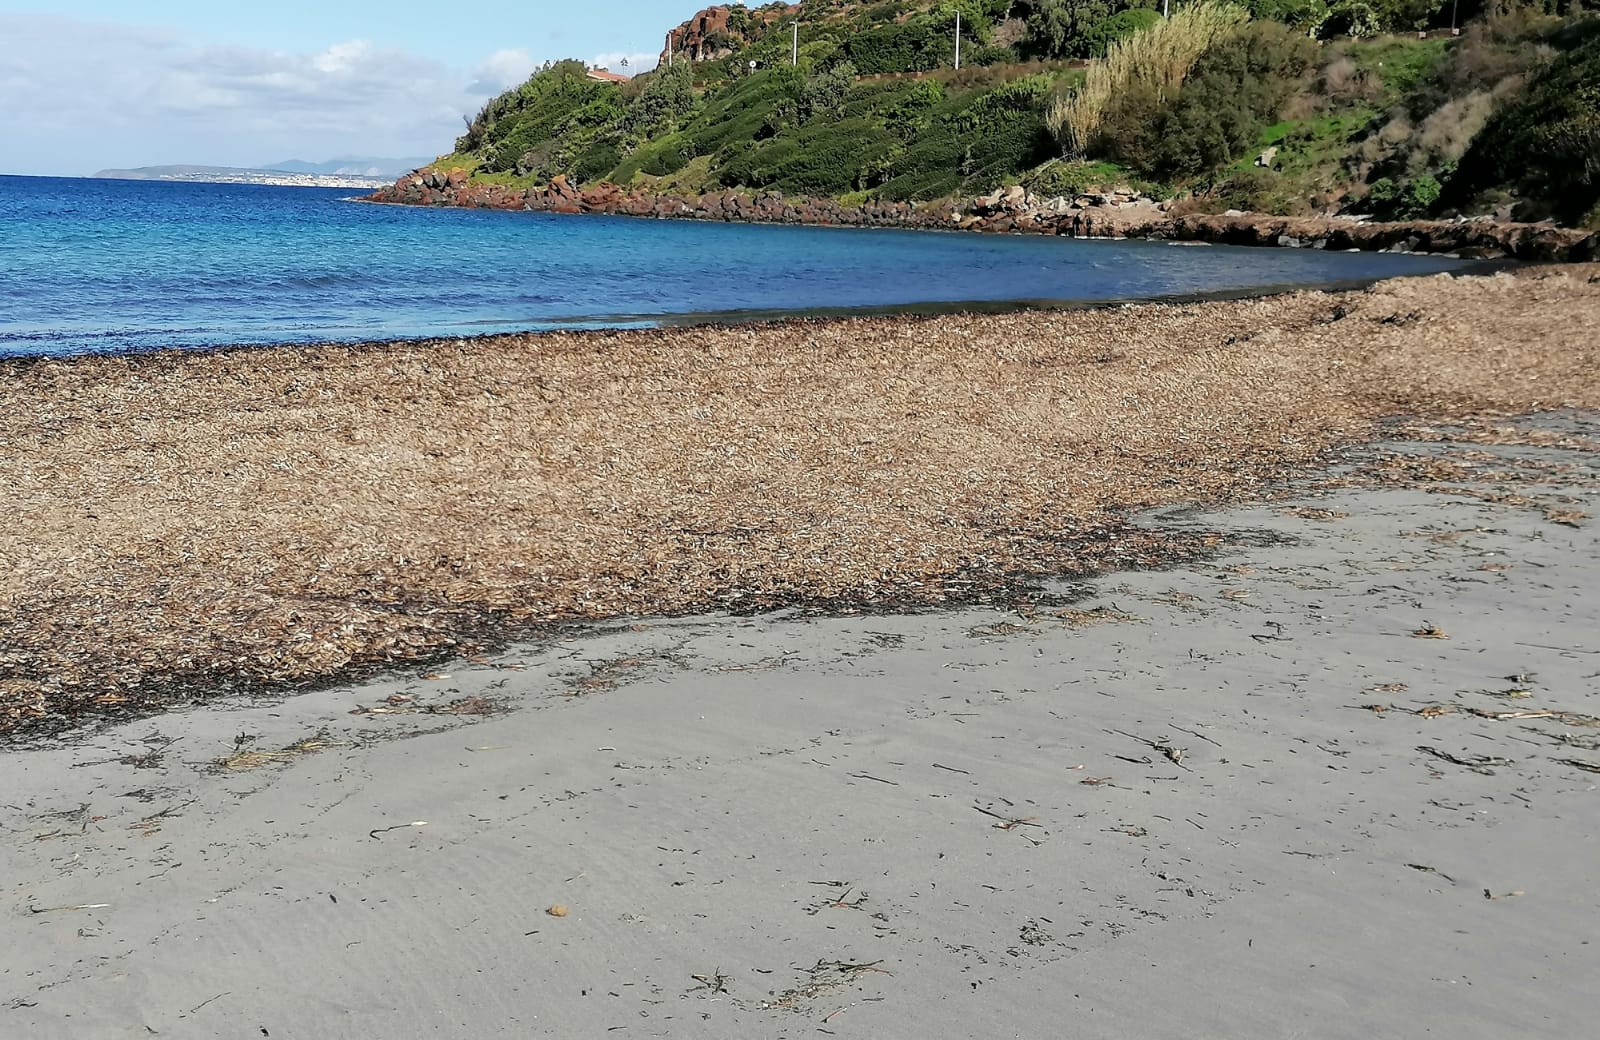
<point>1080,28</point>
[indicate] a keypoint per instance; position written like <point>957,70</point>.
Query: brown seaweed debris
<point>179,524</point>
<point>244,758</point>
<point>821,979</point>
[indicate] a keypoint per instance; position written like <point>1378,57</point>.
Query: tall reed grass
<point>1157,58</point>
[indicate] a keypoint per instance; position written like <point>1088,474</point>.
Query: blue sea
<point>121,266</point>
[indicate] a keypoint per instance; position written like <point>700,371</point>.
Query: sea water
<point>119,266</point>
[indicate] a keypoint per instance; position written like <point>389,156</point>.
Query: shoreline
<point>605,323</point>
<point>278,518</point>
<point>1017,211</point>
<point>1350,750</point>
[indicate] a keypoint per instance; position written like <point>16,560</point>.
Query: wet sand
<point>1338,780</point>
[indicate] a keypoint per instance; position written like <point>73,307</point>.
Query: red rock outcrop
<point>702,37</point>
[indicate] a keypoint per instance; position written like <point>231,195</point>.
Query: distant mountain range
<point>336,173</point>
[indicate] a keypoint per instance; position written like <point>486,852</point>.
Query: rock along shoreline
<point>1015,211</point>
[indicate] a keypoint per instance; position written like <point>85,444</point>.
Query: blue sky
<point>90,84</point>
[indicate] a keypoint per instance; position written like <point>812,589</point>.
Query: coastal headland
<point>1115,214</point>
<point>1291,126</point>
<point>270,519</point>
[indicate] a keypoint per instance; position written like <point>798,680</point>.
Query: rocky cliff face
<point>1015,211</point>
<point>714,32</point>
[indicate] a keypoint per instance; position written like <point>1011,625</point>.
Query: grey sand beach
<point>1339,780</point>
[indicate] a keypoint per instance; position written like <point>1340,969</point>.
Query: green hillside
<point>1065,95</point>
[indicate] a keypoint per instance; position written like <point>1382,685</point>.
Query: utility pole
<point>958,41</point>
<point>794,53</point>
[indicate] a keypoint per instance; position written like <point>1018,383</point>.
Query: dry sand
<point>1238,798</point>
<point>172,525</point>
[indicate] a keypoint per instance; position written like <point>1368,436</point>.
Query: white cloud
<point>500,70</point>
<point>637,63</point>
<point>81,96</point>
<point>342,57</point>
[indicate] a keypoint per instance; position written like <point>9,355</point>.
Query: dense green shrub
<point>595,162</point>
<point>658,158</point>
<point>517,121</point>
<point>831,160</point>
<point>1365,18</point>
<point>1070,178</point>
<point>1490,52</point>
<point>1003,149</point>
<point>1102,34</point>
<point>1406,15</point>
<point>931,183</point>
<point>1019,96</point>
<point>757,167</point>
<point>1252,190</point>
<point>668,155</point>
<point>1422,194</point>
<point>986,54</point>
<point>1352,18</point>
<point>1296,14</point>
<point>973,142</point>
<point>1143,70</point>
<point>1053,25</point>
<point>1189,105</point>
<point>1235,90</point>
<point>825,92</point>
<point>1546,141</point>
<point>743,111</point>
<point>664,103</point>
<point>920,43</point>
<point>1079,28</point>
<point>1414,199</point>
<point>910,108</point>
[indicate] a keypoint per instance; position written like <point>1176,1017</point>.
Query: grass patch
<point>1314,148</point>
<point>696,177</point>
<point>457,161</point>
<point>1399,62</point>
<point>1068,177</point>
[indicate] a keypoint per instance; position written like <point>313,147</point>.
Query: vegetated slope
<point>1299,107</point>
<point>1545,143</point>
<point>752,119</point>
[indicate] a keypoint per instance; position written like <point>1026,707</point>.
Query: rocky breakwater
<point>1124,213</point>
<point>1119,213</point>
<point>453,188</point>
